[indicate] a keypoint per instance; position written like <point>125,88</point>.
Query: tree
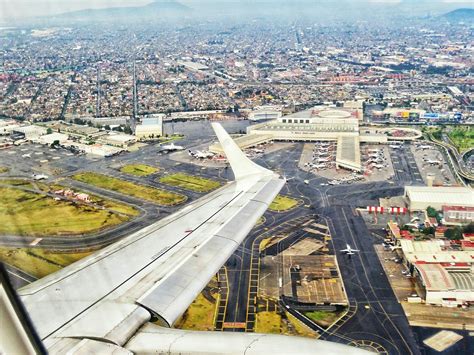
<point>107,127</point>
<point>469,228</point>
<point>453,233</point>
<point>431,212</point>
<point>428,230</point>
<point>49,130</point>
<point>127,129</point>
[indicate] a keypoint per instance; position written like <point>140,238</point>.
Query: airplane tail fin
<point>241,165</point>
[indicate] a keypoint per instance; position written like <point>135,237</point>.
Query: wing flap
<point>172,296</point>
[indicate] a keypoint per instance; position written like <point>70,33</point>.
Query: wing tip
<point>241,165</point>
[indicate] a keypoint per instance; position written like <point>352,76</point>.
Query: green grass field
<point>38,262</point>
<point>268,322</point>
<point>323,318</point>
<point>3,169</point>
<point>138,169</point>
<point>199,315</point>
<point>189,182</point>
<point>462,137</point>
<point>34,214</point>
<point>159,196</point>
<point>283,203</point>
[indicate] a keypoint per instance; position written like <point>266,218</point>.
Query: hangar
<point>419,198</point>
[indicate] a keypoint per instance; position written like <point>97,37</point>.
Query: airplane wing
<point>105,302</point>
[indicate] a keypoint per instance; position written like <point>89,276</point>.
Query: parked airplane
<point>170,147</point>
<point>201,155</point>
<point>319,166</point>
<point>40,177</point>
<point>349,251</point>
<point>105,303</point>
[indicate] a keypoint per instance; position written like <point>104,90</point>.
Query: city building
<point>53,137</point>
<point>118,140</point>
<point>421,197</point>
<point>31,132</point>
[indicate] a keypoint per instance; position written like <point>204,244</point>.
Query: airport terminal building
<point>322,123</point>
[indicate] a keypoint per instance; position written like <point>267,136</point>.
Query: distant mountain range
<point>460,15</point>
<point>154,10</point>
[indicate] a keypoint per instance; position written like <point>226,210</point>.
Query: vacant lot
<point>34,214</point>
<point>189,182</point>
<point>138,169</point>
<point>159,196</point>
<point>38,262</point>
<point>283,203</point>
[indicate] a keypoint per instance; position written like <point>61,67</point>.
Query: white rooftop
<point>454,196</point>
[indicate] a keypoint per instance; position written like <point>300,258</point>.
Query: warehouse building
<point>151,126</point>
<point>419,198</point>
<point>446,274</point>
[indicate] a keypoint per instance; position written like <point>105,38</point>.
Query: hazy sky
<point>17,9</point>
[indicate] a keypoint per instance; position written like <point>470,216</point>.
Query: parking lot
<point>28,159</point>
<point>430,161</point>
<point>404,164</point>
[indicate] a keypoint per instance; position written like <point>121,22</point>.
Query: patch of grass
<point>299,328</point>
<point>3,169</point>
<point>17,182</point>
<point>34,214</point>
<point>171,138</point>
<point>189,182</point>
<point>38,262</point>
<point>199,315</point>
<point>159,196</point>
<point>268,322</point>
<point>462,137</point>
<point>283,203</point>
<point>138,169</point>
<point>323,318</point>
<point>275,323</point>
